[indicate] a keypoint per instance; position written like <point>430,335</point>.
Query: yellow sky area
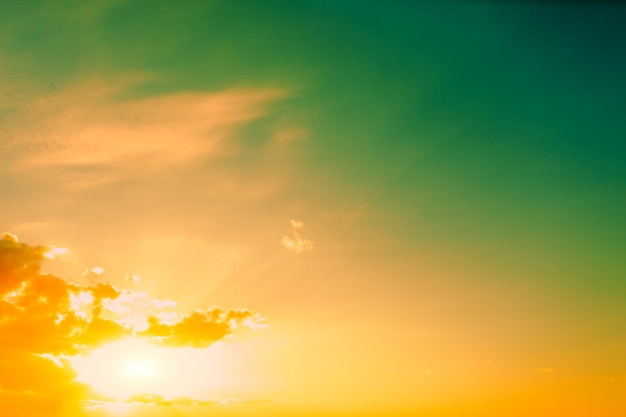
<point>378,353</point>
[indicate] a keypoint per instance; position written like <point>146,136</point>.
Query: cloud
<point>295,243</point>
<point>199,329</point>
<point>18,262</point>
<point>9,237</point>
<point>93,273</point>
<point>45,319</point>
<point>55,252</point>
<point>296,225</point>
<point>91,133</point>
<point>132,279</point>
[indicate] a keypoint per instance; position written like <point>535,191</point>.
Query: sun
<point>139,369</point>
<point>127,368</point>
<point>121,369</point>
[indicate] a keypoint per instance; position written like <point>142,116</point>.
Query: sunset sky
<point>312,207</point>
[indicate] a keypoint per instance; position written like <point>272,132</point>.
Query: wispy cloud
<point>295,243</point>
<point>92,134</point>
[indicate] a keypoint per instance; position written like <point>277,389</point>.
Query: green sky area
<point>493,127</point>
<point>482,143</point>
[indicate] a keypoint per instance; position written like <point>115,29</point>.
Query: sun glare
<point>139,369</point>
<point>121,370</point>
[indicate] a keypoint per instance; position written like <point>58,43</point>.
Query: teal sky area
<point>460,167</point>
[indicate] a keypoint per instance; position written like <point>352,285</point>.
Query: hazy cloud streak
<point>94,132</point>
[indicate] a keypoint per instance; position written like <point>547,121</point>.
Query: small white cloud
<point>97,270</point>
<point>295,243</point>
<point>54,252</point>
<point>297,225</point>
<point>133,279</point>
<point>256,323</point>
<point>93,273</point>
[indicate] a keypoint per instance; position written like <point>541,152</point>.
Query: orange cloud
<point>199,329</point>
<point>88,134</point>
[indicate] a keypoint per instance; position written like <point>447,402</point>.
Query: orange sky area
<point>90,348</point>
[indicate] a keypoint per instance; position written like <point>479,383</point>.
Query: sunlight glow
<point>130,367</point>
<point>139,369</point>
<point>121,369</point>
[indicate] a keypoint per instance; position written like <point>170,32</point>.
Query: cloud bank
<point>44,319</point>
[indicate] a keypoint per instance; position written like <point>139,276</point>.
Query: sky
<point>312,207</point>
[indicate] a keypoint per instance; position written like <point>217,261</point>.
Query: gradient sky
<point>425,200</point>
